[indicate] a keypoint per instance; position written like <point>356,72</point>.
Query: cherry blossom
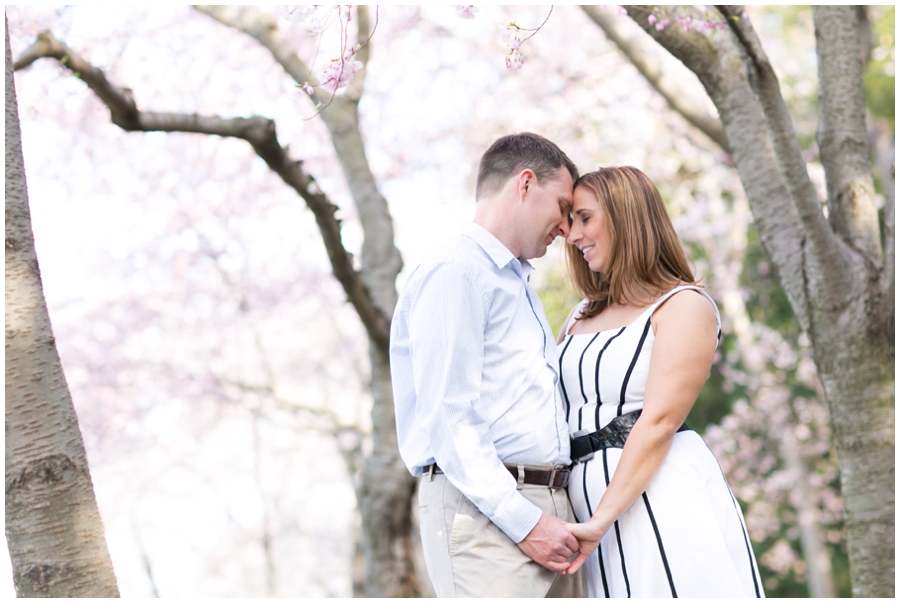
<point>515,60</point>
<point>660,20</point>
<point>511,36</point>
<point>685,22</point>
<point>465,11</point>
<point>338,73</point>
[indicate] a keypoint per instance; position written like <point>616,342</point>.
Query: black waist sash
<point>612,435</point>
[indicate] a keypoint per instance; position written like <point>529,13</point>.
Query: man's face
<point>549,204</point>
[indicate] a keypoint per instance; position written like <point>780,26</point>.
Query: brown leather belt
<point>553,478</point>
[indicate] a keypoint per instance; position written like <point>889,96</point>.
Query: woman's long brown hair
<point>646,258</point>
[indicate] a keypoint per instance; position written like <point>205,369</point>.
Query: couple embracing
<point>539,456</point>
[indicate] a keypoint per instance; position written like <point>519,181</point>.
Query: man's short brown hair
<point>511,154</point>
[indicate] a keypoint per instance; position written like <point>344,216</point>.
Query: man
<point>475,374</point>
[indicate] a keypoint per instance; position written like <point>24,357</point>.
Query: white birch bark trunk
<point>53,527</point>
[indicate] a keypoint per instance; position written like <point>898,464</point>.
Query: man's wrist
<point>517,517</point>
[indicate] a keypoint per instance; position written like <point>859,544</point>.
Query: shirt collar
<point>497,251</point>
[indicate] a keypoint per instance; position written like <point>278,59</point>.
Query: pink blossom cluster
<point>687,22</point>
<point>338,73</point>
<point>660,23</point>
<point>315,20</point>
<point>465,11</point>
<point>515,60</point>
<point>512,37</point>
<point>750,446</point>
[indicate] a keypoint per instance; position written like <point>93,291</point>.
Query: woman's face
<point>589,232</point>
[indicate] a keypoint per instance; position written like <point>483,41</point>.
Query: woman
<point>641,344</point>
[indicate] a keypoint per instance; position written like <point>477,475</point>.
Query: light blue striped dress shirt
<point>475,374</point>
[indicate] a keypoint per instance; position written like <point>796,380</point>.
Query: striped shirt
<point>475,371</point>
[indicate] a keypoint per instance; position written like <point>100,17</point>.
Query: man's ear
<point>525,182</point>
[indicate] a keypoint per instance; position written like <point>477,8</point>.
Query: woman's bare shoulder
<point>686,307</point>
<point>570,320</point>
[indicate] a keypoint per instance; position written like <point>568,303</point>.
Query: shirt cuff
<point>516,516</point>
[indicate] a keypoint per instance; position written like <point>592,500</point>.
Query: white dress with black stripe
<point>685,536</point>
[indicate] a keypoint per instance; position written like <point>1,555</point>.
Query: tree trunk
<point>831,270</point>
<point>387,494</point>
<point>734,311</point>
<point>387,487</point>
<point>855,343</point>
<point>53,526</point>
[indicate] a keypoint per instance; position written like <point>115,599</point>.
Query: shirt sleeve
<point>447,321</point>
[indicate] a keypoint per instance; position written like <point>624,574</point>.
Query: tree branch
<point>652,71</point>
<point>842,136</point>
<point>718,65</point>
<point>762,78</point>
<point>348,438</point>
<point>121,105</point>
<point>264,28</point>
<point>380,259</point>
<point>387,485</point>
<point>260,133</point>
<point>364,32</point>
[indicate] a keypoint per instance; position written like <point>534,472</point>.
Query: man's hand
<point>550,544</point>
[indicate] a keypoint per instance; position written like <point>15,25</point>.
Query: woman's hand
<point>589,536</point>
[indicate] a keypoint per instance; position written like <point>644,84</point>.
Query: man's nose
<point>564,227</point>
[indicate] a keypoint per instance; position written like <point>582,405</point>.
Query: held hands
<point>551,543</point>
<point>589,536</point>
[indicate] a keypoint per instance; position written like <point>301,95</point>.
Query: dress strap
<point>573,316</point>
<point>699,290</point>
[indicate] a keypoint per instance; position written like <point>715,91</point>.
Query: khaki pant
<point>468,556</point>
